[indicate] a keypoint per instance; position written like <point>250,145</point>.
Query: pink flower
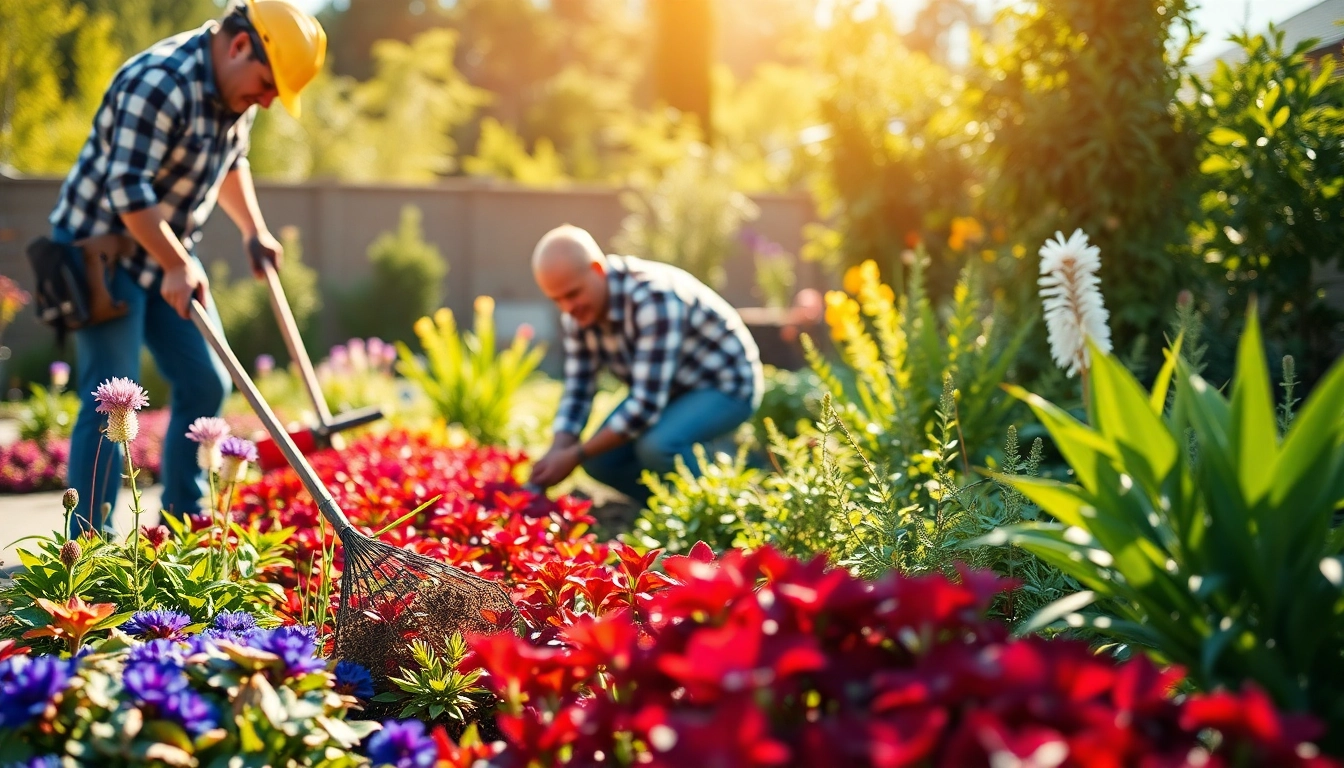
<point>120,398</point>
<point>208,431</point>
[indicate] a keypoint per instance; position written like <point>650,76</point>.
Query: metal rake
<point>389,596</point>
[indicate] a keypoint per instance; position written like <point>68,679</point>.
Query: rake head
<point>391,597</point>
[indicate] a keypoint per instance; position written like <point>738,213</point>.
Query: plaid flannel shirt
<point>160,137</point>
<point>667,334</point>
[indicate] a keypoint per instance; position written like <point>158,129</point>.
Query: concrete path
<point>38,514</point>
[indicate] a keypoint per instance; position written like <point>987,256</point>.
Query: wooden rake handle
<point>325,503</point>
<point>289,329</point>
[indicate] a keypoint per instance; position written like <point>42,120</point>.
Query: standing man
<point>169,140</point>
<point>692,367</point>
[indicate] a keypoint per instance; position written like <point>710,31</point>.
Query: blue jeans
<point>199,385</point>
<point>695,417</point>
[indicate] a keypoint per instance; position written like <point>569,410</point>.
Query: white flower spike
<point>1071,294</point>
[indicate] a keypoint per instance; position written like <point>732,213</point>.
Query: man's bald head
<point>570,269</point>
<point>566,247</point>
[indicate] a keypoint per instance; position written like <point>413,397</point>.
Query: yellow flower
<point>424,327</point>
<point>1019,251</point>
<point>443,317</point>
<point>887,294</point>
<point>853,280</point>
<point>484,305</point>
<point>988,255</point>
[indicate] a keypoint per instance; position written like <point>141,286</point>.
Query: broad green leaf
<point>1123,414</point>
<point>1254,435</point>
<point>1065,502</point>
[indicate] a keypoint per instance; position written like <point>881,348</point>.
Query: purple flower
<point>42,761</point>
<point>296,647</point>
<point>190,710</point>
<point>353,680</point>
<point>404,745</point>
<point>234,621</point>
<point>60,374</point>
<point>160,649</point>
<point>265,364</point>
<point>157,624</point>
<point>238,448</point>
<point>152,682</point>
<point>27,685</point>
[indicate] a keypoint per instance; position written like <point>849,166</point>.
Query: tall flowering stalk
<point>208,432</point>
<point>1071,294</point>
<point>235,454</point>
<point>120,398</point>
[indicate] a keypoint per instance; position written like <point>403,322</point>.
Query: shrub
<point>405,283</point>
<point>467,380</point>
<point>1201,535</point>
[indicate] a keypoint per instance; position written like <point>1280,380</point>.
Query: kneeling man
<point>693,370</point>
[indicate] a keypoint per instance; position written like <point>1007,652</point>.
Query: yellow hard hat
<point>295,44</point>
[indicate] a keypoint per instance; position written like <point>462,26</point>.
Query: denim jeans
<point>695,417</point>
<point>199,384</point>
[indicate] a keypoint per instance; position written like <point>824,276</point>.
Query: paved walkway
<point>38,514</point>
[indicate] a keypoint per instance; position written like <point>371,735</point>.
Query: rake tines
<point>391,597</point>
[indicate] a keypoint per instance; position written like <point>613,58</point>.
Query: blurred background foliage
<point>969,134</point>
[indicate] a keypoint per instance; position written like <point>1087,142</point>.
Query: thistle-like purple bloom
<point>120,398</point>
<point>234,621</point>
<point>238,448</point>
<point>148,625</point>
<point>296,647</point>
<point>27,685</point>
<point>353,680</point>
<point>120,393</point>
<point>153,682</point>
<point>190,710</point>
<point>403,745</point>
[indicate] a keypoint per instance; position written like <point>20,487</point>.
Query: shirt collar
<point>203,55</point>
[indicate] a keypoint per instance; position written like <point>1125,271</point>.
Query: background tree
<point>683,43</point>
<point>55,60</point>
<point>1081,132</point>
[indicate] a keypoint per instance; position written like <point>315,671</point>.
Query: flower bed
<point>756,659</point>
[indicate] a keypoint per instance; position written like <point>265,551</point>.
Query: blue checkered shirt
<point>667,334</point>
<point>160,137</point>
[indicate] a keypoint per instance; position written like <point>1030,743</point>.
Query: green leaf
<point>1224,137</point>
<point>1280,117</point>
<point>1055,611</point>
<point>1157,400</point>
<point>1254,433</point>
<point>1123,414</point>
<point>1218,164</point>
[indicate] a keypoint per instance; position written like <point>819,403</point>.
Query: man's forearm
<point>605,440</point>
<point>152,232</point>
<point>564,440</point>
<point>238,198</point>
